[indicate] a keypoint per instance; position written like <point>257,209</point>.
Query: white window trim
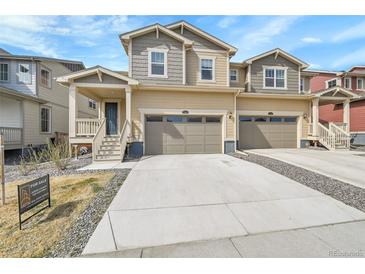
<point>329,80</point>
<point>165,51</point>
<point>88,103</point>
<point>234,81</point>
<point>350,82</point>
<point>302,84</point>
<point>30,73</point>
<point>6,81</point>
<point>274,68</point>
<point>50,77</point>
<point>50,120</point>
<point>213,68</point>
<point>357,83</point>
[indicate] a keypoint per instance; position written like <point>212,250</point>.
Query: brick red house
<point>353,80</point>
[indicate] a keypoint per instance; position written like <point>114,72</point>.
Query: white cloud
<point>315,66</point>
<point>351,33</point>
<point>311,40</point>
<point>355,57</point>
<point>227,21</point>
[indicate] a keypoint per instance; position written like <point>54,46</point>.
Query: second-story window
<point>331,83</point>
<point>157,66</point>
<point>347,83</point>
<point>275,78</point>
<point>92,104</point>
<point>360,83</point>
<point>301,84</point>
<point>45,77</point>
<point>4,72</point>
<point>24,75</point>
<point>233,75</point>
<point>207,69</point>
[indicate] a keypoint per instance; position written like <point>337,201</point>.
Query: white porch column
<point>346,114</point>
<point>100,103</point>
<point>315,116</point>
<point>72,110</point>
<point>128,108</point>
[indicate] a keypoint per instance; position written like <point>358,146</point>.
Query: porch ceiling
<point>102,93</point>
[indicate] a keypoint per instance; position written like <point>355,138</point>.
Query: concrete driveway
<point>214,205</point>
<point>346,166</point>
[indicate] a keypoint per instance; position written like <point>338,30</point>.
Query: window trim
<point>6,63</point>
<point>30,73</point>
<point>233,81</point>
<point>357,83</point>
<point>301,84</point>
<point>350,82</point>
<point>329,80</point>
<point>275,68</point>
<point>91,100</point>
<point>213,69</point>
<point>165,51</point>
<point>50,77</point>
<point>49,121</point>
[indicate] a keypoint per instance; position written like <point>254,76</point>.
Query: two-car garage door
<point>174,134</point>
<point>267,132</point>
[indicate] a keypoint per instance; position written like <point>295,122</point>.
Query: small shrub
<point>59,154</point>
<point>30,161</point>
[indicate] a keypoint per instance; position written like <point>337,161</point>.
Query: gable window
<point>157,63</point>
<point>275,78</point>
<point>331,83</point>
<point>45,77</point>
<point>24,74</point>
<point>4,72</point>
<point>347,83</point>
<point>360,83</point>
<point>301,84</point>
<point>92,104</point>
<point>233,75</point>
<point>45,120</point>
<point>207,69</point>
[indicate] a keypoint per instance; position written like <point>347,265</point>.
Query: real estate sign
<point>32,194</point>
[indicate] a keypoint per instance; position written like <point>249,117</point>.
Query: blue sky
<point>325,42</point>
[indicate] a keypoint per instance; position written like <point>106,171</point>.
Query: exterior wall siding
<point>174,58</point>
<point>257,77</point>
<point>318,82</point>
<point>241,77</point>
<point>10,112</point>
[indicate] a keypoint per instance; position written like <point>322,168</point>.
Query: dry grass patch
<point>70,195</point>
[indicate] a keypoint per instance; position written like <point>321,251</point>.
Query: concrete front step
<point>108,157</point>
<point>115,139</point>
<point>110,143</point>
<point>108,152</point>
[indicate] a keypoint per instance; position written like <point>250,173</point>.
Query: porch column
<point>72,110</point>
<point>346,114</point>
<point>128,108</point>
<point>99,108</point>
<point>315,116</point>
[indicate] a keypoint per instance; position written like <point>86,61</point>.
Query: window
<point>45,77</point>
<point>347,83</point>
<point>4,72</point>
<point>360,83</point>
<point>260,119</point>
<point>92,104</point>
<point>290,119</point>
<point>275,119</point>
<point>331,83</point>
<point>157,63</point>
<point>275,78</point>
<point>24,75</point>
<point>245,119</point>
<point>302,84</point>
<point>233,75</point>
<point>207,69</point>
<point>175,119</point>
<point>212,119</point>
<point>197,119</point>
<point>45,120</point>
<point>154,118</point>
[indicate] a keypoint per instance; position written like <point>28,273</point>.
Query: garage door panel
<point>213,129</point>
<point>197,129</point>
<point>174,149</point>
<point>213,148</point>
<point>194,148</point>
<point>194,140</point>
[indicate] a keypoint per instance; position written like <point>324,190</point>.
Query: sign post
<point>2,169</point>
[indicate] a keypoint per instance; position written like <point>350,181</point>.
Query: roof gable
<point>335,91</point>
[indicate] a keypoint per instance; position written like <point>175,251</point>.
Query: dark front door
<point>111,115</point>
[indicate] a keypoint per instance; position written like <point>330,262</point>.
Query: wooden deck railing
<point>12,135</point>
<point>326,137</point>
<point>87,127</point>
<point>342,138</point>
<point>124,134</point>
<point>98,138</point>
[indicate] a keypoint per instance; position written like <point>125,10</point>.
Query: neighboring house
<point>33,107</point>
<point>182,94</point>
<point>353,80</point>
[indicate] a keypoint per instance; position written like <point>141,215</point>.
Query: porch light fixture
<point>305,115</point>
<point>185,112</point>
<point>270,113</point>
<point>230,115</point>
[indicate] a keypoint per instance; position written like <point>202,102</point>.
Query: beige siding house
<point>33,106</point>
<point>182,94</point>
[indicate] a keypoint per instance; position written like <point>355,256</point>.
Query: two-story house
<point>33,106</point>
<point>182,94</point>
<point>354,81</point>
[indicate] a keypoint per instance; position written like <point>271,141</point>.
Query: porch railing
<point>343,126</point>
<point>12,135</point>
<point>326,137</point>
<point>342,138</point>
<point>98,137</point>
<point>124,138</point>
<point>87,127</point>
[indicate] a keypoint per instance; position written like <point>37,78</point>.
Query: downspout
<point>235,118</point>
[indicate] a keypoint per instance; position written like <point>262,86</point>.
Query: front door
<point>111,115</point>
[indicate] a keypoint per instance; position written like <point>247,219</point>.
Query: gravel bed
<point>12,172</point>
<point>81,230</point>
<point>351,195</point>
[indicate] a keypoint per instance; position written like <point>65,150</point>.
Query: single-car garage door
<point>267,132</point>
<point>174,134</point>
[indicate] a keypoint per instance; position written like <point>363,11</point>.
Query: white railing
<point>326,137</point>
<point>124,133</point>
<point>343,126</point>
<point>342,138</point>
<point>310,129</point>
<point>87,127</point>
<point>12,135</point>
<point>98,138</point>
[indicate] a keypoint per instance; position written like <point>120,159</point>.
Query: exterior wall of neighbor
<point>140,47</point>
<point>13,83</point>
<point>257,74</point>
<point>277,105</point>
<point>176,100</point>
<point>318,82</point>
<point>241,77</point>
<point>307,86</point>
